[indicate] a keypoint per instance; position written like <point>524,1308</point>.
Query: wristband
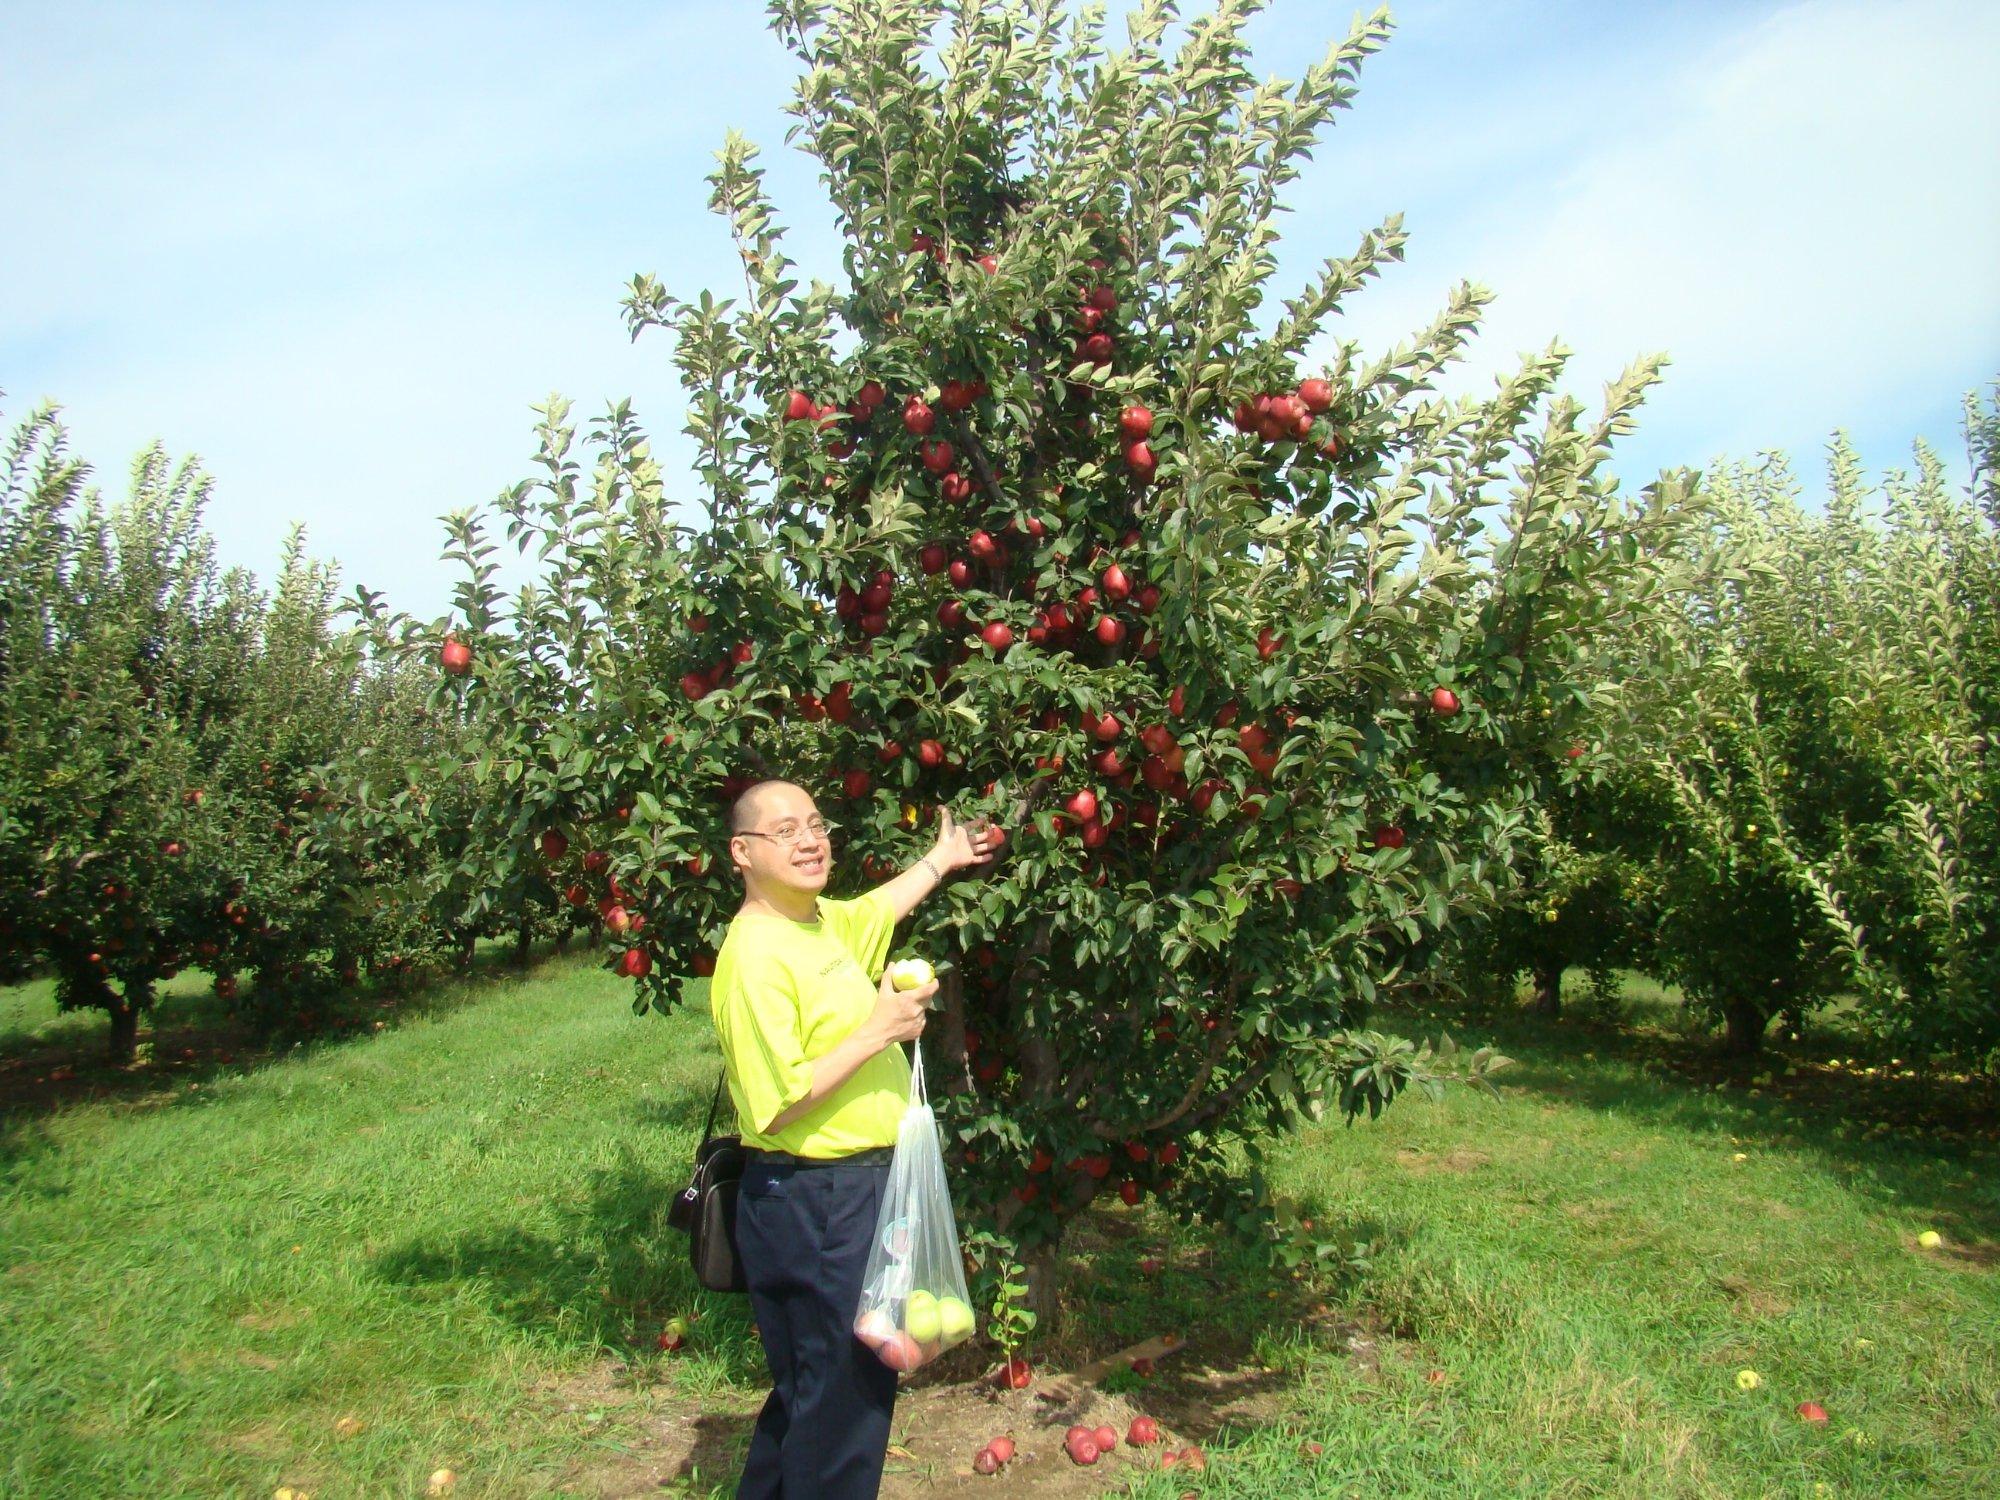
<point>936,874</point>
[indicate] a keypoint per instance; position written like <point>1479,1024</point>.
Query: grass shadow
<point>1904,1137</point>
<point>609,1275</point>
<point>191,1035</point>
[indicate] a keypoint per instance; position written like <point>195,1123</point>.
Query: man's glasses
<point>787,835</point>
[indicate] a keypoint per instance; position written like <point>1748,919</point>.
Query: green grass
<point>453,1231</point>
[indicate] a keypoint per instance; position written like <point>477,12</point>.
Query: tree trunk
<point>124,1040</point>
<point>524,939</point>
<point>562,939</point>
<point>1042,1264</point>
<point>1548,978</point>
<point>1743,1028</point>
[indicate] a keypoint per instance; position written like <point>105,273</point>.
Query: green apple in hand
<point>910,973</point>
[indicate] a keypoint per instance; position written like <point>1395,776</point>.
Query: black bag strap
<point>708,1130</point>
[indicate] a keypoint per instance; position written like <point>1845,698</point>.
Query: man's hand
<point>899,1015</point>
<point>965,847</point>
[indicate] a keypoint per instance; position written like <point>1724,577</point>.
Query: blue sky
<point>338,251</point>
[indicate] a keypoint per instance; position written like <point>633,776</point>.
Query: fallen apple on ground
<point>1813,1412</point>
<point>1015,1375</point>
<point>674,1334</point>
<point>1143,1430</point>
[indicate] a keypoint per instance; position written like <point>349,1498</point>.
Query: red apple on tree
<point>918,418</point>
<point>1444,702</point>
<point>455,657</point>
<point>1134,423</point>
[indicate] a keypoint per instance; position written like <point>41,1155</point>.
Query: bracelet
<point>936,874</point>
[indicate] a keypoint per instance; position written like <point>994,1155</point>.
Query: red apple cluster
<point>697,685</point>
<point>1291,417</point>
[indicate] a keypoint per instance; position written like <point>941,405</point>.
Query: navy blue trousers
<point>803,1234</point>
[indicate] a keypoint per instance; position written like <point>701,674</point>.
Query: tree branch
<point>969,443</point>
<point>1260,1067</point>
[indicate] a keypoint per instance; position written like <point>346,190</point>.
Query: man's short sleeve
<point>863,927</point>
<point>757,1022</point>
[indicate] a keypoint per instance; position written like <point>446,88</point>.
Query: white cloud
<point>1806,218</point>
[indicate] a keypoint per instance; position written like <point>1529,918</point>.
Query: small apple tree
<point>1582,893</point>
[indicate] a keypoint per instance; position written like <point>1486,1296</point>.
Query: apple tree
<point>1254,641</point>
<point>161,761</point>
<point>1581,897</point>
<point>1822,718</point>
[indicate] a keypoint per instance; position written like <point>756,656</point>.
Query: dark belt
<point>875,1156</point>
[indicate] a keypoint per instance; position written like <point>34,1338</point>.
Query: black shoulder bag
<point>706,1210</point>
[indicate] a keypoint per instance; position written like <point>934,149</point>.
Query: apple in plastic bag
<point>956,1318</point>
<point>900,1352</point>
<point>875,1328</point>
<point>922,1319</point>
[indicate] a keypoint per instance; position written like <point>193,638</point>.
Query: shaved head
<point>747,809</point>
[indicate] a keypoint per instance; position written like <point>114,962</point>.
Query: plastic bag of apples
<point>913,1302</point>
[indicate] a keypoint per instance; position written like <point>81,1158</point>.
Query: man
<point>809,1043</point>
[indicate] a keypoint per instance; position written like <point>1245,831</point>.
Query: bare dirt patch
<point>268,1319</point>
<point>1423,1163</point>
<point>1194,1394</point>
<point>1751,1300</point>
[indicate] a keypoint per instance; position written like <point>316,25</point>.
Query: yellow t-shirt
<point>785,993</point>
